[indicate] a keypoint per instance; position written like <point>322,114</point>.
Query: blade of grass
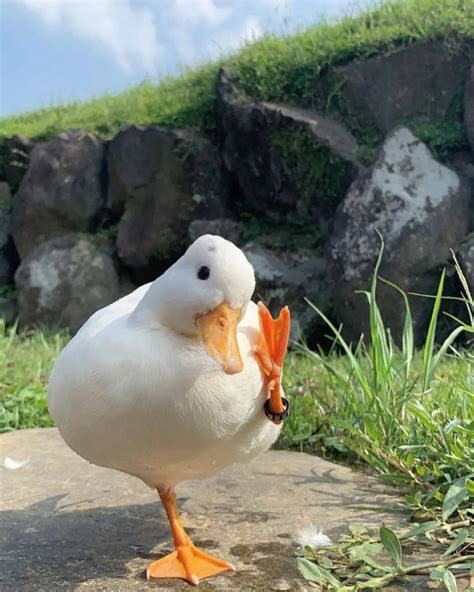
<point>430,337</point>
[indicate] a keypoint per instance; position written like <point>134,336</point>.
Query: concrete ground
<point>69,525</point>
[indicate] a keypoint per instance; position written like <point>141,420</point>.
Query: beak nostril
<point>218,329</point>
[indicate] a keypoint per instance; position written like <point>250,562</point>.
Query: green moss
<point>287,234</point>
<point>338,106</point>
<point>442,138</point>
<point>312,168</point>
<point>108,232</point>
<point>7,291</point>
<point>5,206</point>
<point>447,135</point>
<point>104,236</point>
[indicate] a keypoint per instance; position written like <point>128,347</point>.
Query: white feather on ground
<point>13,465</point>
<point>312,536</point>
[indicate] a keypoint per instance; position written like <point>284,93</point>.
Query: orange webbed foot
<point>188,563</point>
<point>271,351</point>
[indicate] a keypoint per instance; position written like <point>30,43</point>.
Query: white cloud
<point>194,49</point>
<point>202,30</point>
<point>194,12</point>
<point>227,40</point>
<point>127,32</point>
<point>252,29</point>
<point>275,4</point>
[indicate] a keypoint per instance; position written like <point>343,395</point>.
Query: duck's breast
<point>154,404</point>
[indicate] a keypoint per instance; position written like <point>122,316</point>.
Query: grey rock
<point>461,286</point>
<point>287,277</point>
<point>126,286</point>
<point>160,180</point>
<point>61,191</point>
<point>469,106</point>
<point>5,240</point>
<point>70,525</point>
<point>15,155</point>
<point>263,147</point>
<point>8,254</point>
<point>64,281</point>
<point>421,208</point>
<point>419,80</point>
<point>8,310</point>
<point>229,229</point>
<point>466,260</point>
<point>462,162</point>
<point>5,196</point>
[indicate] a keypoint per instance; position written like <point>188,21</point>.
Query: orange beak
<point>219,333</point>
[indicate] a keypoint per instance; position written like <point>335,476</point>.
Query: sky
<point>56,51</point>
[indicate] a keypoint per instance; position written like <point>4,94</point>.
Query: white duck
<point>169,383</point>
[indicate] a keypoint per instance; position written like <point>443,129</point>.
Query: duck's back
<point>117,310</point>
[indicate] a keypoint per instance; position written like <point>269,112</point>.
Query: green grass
<point>25,364</point>
<point>276,67</point>
<point>409,416</point>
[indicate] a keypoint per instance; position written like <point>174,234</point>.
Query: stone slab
<point>71,526</point>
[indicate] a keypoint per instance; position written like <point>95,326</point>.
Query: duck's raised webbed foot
<point>270,354</point>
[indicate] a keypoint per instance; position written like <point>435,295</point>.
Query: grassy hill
<point>281,68</point>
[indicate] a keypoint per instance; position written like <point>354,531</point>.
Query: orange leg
<point>186,562</point>
<point>270,352</point>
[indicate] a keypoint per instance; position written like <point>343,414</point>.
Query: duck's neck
<point>151,314</point>
<point>160,308</point>
<point>145,314</point>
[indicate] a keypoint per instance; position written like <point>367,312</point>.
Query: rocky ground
<point>69,525</point>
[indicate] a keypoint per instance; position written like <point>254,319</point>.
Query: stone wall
<point>84,220</point>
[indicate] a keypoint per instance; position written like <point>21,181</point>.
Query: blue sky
<point>62,50</point>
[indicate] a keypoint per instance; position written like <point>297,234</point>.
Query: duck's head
<point>204,295</point>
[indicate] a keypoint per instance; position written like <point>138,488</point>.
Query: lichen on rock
<point>64,281</point>
<point>420,208</point>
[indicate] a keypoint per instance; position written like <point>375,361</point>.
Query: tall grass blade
<point>408,346</point>
<point>342,342</point>
<point>430,337</point>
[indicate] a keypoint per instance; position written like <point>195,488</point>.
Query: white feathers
<point>13,465</point>
<point>312,536</point>
<point>165,400</point>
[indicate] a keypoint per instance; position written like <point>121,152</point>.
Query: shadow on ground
<point>51,547</point>
<point>70,526</point>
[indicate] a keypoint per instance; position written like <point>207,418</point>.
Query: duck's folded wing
<point>107,315</point>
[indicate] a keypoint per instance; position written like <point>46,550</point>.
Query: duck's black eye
<point>204,272</point>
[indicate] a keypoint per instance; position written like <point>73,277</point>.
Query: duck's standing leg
<point>186,562</point>
<point>271,351</point>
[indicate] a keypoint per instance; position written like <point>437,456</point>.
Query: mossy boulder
<point>286,277</point>
<point>61,192</point>
<point>419,81</point>
<point>289,163</point>
<point>159,181</point>
<point>8,254</point>
<point>466,261</point>
<point>421,208</point>
<point>64,281</point>
<point>14,159</point>
<point>469,106</point>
